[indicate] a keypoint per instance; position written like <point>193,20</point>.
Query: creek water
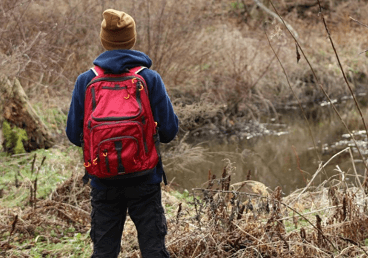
<point>282,152</point>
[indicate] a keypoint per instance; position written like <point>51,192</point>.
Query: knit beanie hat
<point>117,30</point>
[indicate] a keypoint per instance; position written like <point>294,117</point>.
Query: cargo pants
<point>109,210</point>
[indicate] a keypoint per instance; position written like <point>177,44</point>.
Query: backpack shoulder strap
<point>97,70</point>
<point>138,69</point>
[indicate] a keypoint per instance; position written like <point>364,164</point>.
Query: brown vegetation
<point>218,49</point>
<point>219,220</point>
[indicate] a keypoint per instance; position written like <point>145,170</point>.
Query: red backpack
<point>120,136</point>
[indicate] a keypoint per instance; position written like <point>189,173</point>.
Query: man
<point>141,195</point>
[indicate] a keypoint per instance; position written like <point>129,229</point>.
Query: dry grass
<point>219,220</point>
<point>215,48</point>
<point>228,221</point>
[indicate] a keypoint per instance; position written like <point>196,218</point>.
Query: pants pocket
<point>97,196</point>
<point>161,223</point>
<point>93,223</point>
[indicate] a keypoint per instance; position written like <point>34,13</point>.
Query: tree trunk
<point>16,109</point>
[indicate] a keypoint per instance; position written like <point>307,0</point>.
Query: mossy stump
<point>16,110</point>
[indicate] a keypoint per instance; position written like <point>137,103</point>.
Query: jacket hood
<point>117,61</point>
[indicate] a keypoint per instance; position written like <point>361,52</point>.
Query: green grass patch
<point>75,245</point>
<point>53,117</point>
<point>18,174</point>
<point>184,196</point>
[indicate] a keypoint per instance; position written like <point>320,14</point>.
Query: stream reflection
<point>285,156</point>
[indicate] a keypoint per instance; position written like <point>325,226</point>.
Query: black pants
<point>109,209</point>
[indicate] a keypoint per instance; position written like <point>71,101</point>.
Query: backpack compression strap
<point>99,71</point>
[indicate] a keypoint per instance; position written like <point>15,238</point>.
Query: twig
<point>260,241</point>
<point>13,227</point>
<point>199,243</point>
<point>33,163</point>
<point>320,231</point>
<point>296,97</point>
<point>317,172</point>
<point>265,70</point>
<point>340,65</point>
<point>43,160</point>
<point>241,99</point>
<point>312,212</point>
<point>20,155</point>
<point>358,22</point>
<point>354,243</point>
<point>354,168</point>
<point>73,207</point>
<point>365,51</point>
<point>232,192</point>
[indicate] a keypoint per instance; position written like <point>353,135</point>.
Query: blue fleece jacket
<point>116,61</point>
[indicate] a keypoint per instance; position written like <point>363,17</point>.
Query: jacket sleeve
<point>74,125</point>
<point>161,106</point>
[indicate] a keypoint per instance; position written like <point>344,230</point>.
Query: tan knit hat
<point>117,30</point>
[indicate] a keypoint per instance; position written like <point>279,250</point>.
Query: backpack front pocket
<point>119,148</point>
<point>118,156</point>
<point>114,102</point>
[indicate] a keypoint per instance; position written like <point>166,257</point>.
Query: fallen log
<point>17,111</point>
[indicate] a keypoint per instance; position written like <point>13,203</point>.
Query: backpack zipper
<point>106,160</point>
<point>144,137</point>
<point>116,87</point>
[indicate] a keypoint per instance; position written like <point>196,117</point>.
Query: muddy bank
<point>231,123</point>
